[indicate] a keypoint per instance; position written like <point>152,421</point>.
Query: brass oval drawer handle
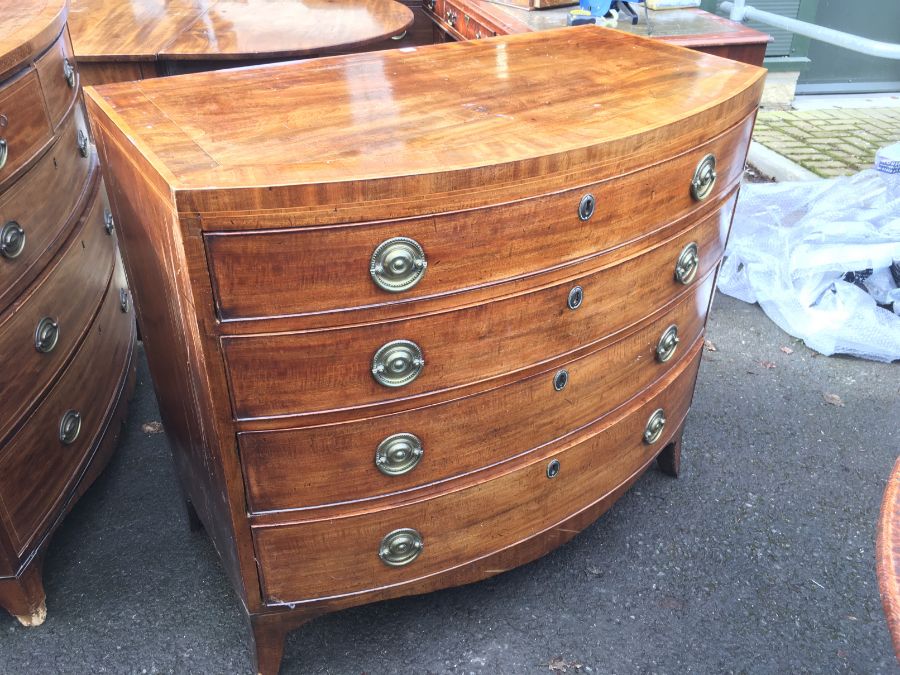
<point>397,363</point>
<point>587,206</point>
<point>46,335</point>
<point>398,454</point>
<point>399,37</point>
<point>69,427</point>
<point>687,264</point>
<point>667,344</point>
<point>553,468</point>
<point>400,547</point>
<point>397,264</point>
<point>477,33</point>
<point>82,141</point>
<point>576,297</point>
<point>4,152</point>
<point>12,240</point>
<point>655,426</point>
<point>451,18</point>
<point>560,380</point>
<point>704,178</point>
<point>125,300</point>
<point>109,223</point>
<point>69,73</point>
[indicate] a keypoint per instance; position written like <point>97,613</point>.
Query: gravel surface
<point>759,559</point>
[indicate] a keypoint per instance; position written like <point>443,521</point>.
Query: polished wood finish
<point>269,400</point>
<point>122,39</point>
<point>63,275</point>
<point>692,28</point>
<point>887,556</point>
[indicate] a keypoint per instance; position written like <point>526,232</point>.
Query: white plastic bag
<point>792,243</point>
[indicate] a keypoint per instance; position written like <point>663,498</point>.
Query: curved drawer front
<point>38,465</point>
<point>312,270</point>
<point>58,73</point>
<point>295,468</point>
<point>314,371</point>
<point>338,556</point>
<point>24,125</point>
<point>41,203</point>
<point>38,334</point>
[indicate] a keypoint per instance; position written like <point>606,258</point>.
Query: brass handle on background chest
<point>12,240</point>
<point>46,335</point>
<point>398,454</point>
<point>69,427</point>
<point>397,363</point>
<point>4,152</point>
<point>82,141</point>
<point>69,73</point>
<point>451,17</point>
<point>400,547</point>
<point>704,178</point>
<point>687,264</point>
<point>667,344</point>
<point>109,223</point>
<point>655,426</point>
<point>397,264</point>
<point>428,4</point>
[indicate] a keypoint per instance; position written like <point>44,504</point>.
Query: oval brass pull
<point>124,300</point>
<point>400,547</point>
<point>560,380</point>
<point>553,468</point>
<point>69,427</point>
<point>397,363</point>
<point>46,335</point>
<point>69,73</point>
<point>687,264</point>
<point>477,33</point>
<point>398,454</point>
<point>109,222</point>
<point>655,426</point>
<point>4,152</point>
<point>397,264</point>
<point>451,17</point>
<point>399,37</point>
<point>704,178</point>
<point>82,141</point>
<point>12,240</point>
<point>667,344</point>
<point>586,207</point>
<point>576,297</point>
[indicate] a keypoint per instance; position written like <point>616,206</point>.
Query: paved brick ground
<point>831,142</point>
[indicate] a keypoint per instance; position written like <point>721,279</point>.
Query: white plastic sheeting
<point>792,244</point>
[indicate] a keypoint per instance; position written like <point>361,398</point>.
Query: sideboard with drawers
<point>66,325</point>
<point>417,317</point>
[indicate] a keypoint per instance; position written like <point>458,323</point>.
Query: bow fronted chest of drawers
<point>66,326</point>
<point>415,317</point>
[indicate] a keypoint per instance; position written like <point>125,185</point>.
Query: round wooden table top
<point>888,554</point>
<point>27,27</point>
<point>206,30</point>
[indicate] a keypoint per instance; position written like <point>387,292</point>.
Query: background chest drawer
<point>295,468</point>
<point>24,125</point>
<point>332,269</point>
<point>38,209</point>
<point>285,374</point>
<point>59,78</point>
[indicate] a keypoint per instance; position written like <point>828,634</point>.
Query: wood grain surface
<point>27,27</point>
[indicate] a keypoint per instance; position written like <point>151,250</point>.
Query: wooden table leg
<point>23,596</point>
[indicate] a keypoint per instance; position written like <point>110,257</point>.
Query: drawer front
<point>295,468</point>
<point>59,78</point>
<point>337,556</point>
<point>24,125</point>
<point>326,269</point>
<point>41,331</point>
<point>37,467</point>
<point>305,372</point>
<point>41,205</point>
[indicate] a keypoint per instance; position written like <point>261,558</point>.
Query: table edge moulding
<point>447,231</point>
<point>67,331</point>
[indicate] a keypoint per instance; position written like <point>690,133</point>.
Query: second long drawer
<point>315,371</point>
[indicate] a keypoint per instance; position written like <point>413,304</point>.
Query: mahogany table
<point>120,40</point>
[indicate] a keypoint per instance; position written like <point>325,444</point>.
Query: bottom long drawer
<point>331,557</point>
<point>40,463</point>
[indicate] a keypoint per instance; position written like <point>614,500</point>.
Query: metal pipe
<point>740,12</point>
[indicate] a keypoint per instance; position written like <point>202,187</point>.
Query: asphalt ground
<point>759,559</point>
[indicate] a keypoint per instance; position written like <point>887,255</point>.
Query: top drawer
<point>59,77</point>
<point>330,269</point>
<point>24,125</point>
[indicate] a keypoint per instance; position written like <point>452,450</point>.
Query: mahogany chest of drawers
<point>415,317</point>
<point>66,326</point>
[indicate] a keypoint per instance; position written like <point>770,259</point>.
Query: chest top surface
<point>551,100</point>
<point>27,27</point>
<point>228,29</point>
